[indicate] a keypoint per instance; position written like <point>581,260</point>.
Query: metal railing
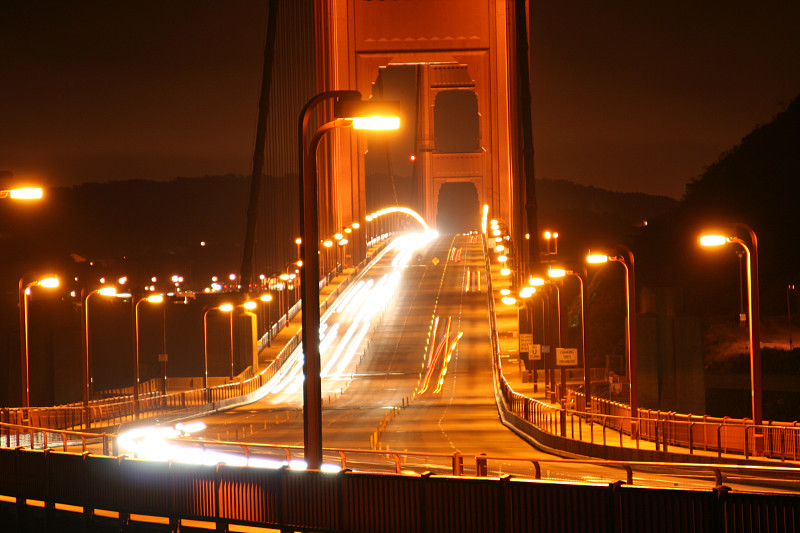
<point>118,409</point>
<point>570,429</point>
<point>47,483</point>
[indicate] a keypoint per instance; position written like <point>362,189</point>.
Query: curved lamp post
<point>751,253</point>
<point>587,381</point>
<point>86,367</point>
<point>155,299</point>
<point>24,289</point>
<point>350,112</point>
<point>268,299</point>
<point>225,308</point>
<point>630,307</point>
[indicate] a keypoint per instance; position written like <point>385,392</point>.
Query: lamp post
<point>268,299</point>
<point>24,289</point>
<point>630,310</point>
<point>225,308</point>
<point>86,366</point>
<point>587,381</point>
<point>751,255</point>
<point>153,298</point>
<point>309,274</point>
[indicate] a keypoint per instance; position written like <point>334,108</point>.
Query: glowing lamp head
<point>226,308</point>
<point>376,123</point>
<point>155,298</point>
<point>527,292</point>
<point>505,271</point>
<point>27,193</point>
<point>596,258</point>
<point>107,291</point>
<point>505,292</point>
<point>298,240</point>
<point>356,225</point>
<point>249,305</point>
<point>368,218</point>
<point>556,272</point>
<point>265,297</point>
<point>509,300</point>
<point>548,235</point>
<point>328,243</point>
<point>338,236</point>
<point>502,258</point>
<point>48,283</point>
<point>713,240</point>
<point>536,282</point>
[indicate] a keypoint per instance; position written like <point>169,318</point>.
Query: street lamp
<point>24,289</point>
<point>358,119</point>
<point>751,253</point>
<point>587,379</point>
<point>86,366</point>
<point>268,298</point>
<point>630,307</point>
<point>154,299</point>
<point>225,308</point>
<point>24,193</point>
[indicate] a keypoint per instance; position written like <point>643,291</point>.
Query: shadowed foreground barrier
<point>35,486</point>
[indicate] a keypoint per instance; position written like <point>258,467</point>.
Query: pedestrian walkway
<point>565,428</point>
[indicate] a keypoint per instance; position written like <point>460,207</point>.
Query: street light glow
<point>226,308</point>
<point>536,282</point>
<point>155,298</point>
<point>713,240</point>
<point>249,305</point>
<point>596,258</point>
<point>107,291</point>
<point>376,123</point>
<point>26,193</point>
<point>49,283</point>
<point>527,292</point>
<point>557,273</point>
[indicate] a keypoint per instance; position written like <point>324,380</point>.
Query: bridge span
<point>439,456</point>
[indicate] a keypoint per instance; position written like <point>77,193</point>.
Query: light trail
<point>343,330</point>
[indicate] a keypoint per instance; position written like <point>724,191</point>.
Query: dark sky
<point>632,96</point>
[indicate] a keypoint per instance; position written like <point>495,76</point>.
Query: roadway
<point>373,394</point>
<point>385,382</point>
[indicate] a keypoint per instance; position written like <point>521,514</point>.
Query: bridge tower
<point>463,52</point>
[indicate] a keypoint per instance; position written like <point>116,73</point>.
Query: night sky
<point>629,96</point>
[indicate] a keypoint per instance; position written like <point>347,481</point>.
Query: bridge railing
<point>40,487</point>
<point>119,406</point>
<point>661,430</point>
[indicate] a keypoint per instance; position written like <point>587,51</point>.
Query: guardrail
<point>53,488</point>
<point>119,409</point>
<point>567,429</point>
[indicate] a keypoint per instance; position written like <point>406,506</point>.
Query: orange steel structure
<point>459,44</point>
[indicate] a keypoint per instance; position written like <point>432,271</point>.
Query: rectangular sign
<point>525,341</point>
<point>566,356</point>
<point>536,352</point>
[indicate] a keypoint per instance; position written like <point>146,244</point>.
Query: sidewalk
<point>588,433</point>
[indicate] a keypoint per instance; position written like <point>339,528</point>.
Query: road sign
<point>566,356</point>
<point>525,341</point>
<point>536,352</point>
